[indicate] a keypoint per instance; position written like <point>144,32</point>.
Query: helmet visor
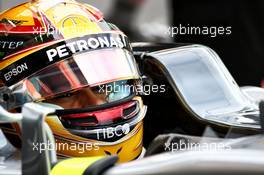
<point>89,69</point>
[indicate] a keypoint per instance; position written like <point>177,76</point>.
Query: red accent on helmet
<point>105,116</point>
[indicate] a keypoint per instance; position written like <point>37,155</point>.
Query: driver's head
<point>64,54</point>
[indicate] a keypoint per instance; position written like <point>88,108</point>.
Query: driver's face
<point>79,99</point>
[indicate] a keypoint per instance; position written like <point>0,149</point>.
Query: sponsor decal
<point>16,71</point>
<point>36,61</point>
<point>10,44</point>
<point>97,42</point>
<point>111,132</point>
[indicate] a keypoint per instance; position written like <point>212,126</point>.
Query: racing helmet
<point>63,54</point>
